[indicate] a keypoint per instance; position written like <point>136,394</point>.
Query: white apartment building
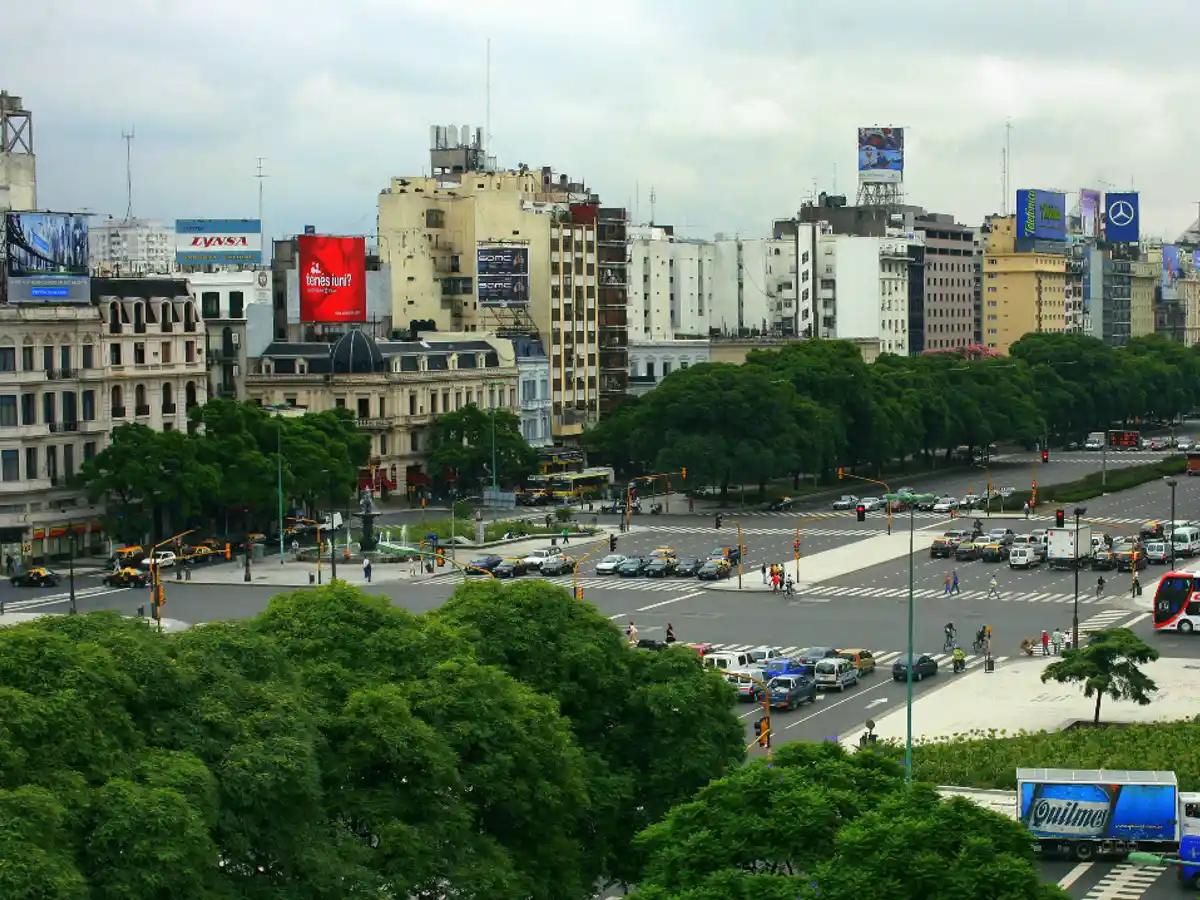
<point>863,289</point>
<point>227,300</point>
<point>129,248</point>
<point>650,361</point>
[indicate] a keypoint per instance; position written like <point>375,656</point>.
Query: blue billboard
<point>47,258</point>
<point>1171,270</point>
<point>1042,214</point>
<point>1122,223</point>
<point>1143,812</point>
<point>218,242</point>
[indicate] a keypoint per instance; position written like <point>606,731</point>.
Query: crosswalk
<point>967,515</point>
<point>821,590</point>
<point>23,605</point>
<point>883,658</point>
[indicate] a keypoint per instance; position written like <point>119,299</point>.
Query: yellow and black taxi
<point>129,555</point>
<point>994,551</point>
<point>860,659</point>
<point>660,566</point>
<point>1129,557</point>
<point>662,553</point>
<point>1152,531</point>
<point>731,555</point>
<point>36,577</point>
<point>714,570</point>
<point>968,551</point>
<point>127,577</point>
<point>941,548</point>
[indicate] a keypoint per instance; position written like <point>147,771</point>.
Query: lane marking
<point>672,600</point>
<point>1134,621</point>
<point>1074,875</point>
<point>832,705</point>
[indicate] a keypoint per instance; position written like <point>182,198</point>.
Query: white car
<point>1156,552</point>
<point>870,504</point>
<point>162,559</point>
<point>535,559</point>
<point>846,501</point>
<point>608,565</point>
<point>945,505</point>
<point>760,656</point>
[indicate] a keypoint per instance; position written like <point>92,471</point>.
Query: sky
<point>731,113</point>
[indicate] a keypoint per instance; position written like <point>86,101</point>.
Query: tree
<point>1107,664</point>
<point>461,447</point>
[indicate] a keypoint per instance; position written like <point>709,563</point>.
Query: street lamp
<point>1080,511</point>
<point>912,500</point>
<point>1172,484</point>
<point>71,563</point>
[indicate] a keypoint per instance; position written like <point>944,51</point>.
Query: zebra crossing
<point>970,515</point>
<point>883,658</point>
<point>57,599</point>
<point>805,531</point>
<point>820,590</point>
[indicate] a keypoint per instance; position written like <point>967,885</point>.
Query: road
<point>1111,880</point>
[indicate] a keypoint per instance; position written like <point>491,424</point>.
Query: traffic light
<point>578,593</point>
<point>1060,518</point>
<point>441,556</point>
<point>1045,456</point>
<point>841,473</point>
<point>862,513</point>
<point>796,546</point>
<point>683,474</point>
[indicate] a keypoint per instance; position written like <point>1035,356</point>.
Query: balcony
<point>118,412</point>
<point>383,423</point>
<point>169,409</point>
<point>141,411</point>
<point>614,359</point>
<point>61,427</point>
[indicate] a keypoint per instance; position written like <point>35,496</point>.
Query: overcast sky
<point>731,111</point>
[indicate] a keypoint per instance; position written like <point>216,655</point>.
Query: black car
<point>483,565</point>
<point>35,578</point>
<point>688,567</point>
<point>713,570</point>
<point>926,504</point>
<point>127,578</point>
<point>923,664</point>
<point>510,568</point>
<point>808,658</point>
<point>660,567</point>
<point>781,504</point>
<point>632,567</point>
<point>651,644</point>
<point>1125,561</point>
<point>1103,561</point>
<point>558,565</point>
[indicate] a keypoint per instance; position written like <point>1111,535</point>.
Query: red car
<point>702,649</point>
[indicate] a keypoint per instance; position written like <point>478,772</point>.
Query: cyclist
<point>981,637</point>
<point>948,640</point>
<point>960,659</point>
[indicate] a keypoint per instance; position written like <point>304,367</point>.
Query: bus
<point>1177,602</point>
<point>572,487</point>
<point>1193,463</point>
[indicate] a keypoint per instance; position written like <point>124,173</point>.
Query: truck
<point>1193,463</point>
<point>1068,548</point>
<point>1095,441</point>
<point>1090,813</point>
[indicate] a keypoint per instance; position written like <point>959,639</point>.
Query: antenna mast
<point>653,200</point>
<point>260,176</point>
<point>487,115</point>
<point>127,137</point>
<point>1007,162</point>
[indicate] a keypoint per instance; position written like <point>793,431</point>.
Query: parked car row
<point>663,563</point>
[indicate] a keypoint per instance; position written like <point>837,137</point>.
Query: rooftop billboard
<point>218,242</point>
<point>1089,212</point>
<point>881,155</point>
<point>1122,223</point>
<point>47,257</point>
<point>502,275</point>
<point>1041,214</point>
<point>333,278</point>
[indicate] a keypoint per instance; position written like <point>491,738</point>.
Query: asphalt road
<point>1111,880</point>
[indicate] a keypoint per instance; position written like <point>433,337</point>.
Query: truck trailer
<point>1090,813</point>
<point>1068,548</point>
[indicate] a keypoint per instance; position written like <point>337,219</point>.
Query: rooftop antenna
<point>127,137</point>
<point>1006,164</point>
<point>487,115</point>
<point>260,175</point>
<point>653,200</point>
<point>835,178</point>
<point>637,202</point>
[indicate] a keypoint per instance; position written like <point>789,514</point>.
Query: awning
<point>416,477</point>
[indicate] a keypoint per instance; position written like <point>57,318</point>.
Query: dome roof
<point>356,354</point>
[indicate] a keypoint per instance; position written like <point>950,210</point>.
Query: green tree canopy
<point>462,443</point>
<point>1109,663</point>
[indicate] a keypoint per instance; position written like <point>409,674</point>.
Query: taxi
<point>967,551</point>
<point>996,551</point>
<point>860,659</point>
<point>130,553</point>
<point>941,548</point>
<point>1152,531</point>
<point>37,577</point>
<point>662,553</point>
<point>702,649</point>
<point>127,577</point>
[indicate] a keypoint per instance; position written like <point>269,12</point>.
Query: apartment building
<point>863,289</point>
<point>948,314</point>
<point>395,389</point>
<point>227,300</point>
<point>130,248</point>
<point>1023,292</point>
<point>1144,281</point>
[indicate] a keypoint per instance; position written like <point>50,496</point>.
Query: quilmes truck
<point>1093,813</point>
<point>1068,548</point>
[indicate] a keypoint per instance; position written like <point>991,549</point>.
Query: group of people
<point>778,579</point>
<point>631,633</point>
<point>951,582</point>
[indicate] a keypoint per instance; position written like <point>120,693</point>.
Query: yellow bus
<point>575,486</point>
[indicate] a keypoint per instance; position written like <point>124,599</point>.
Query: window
<point>340,402</point>
<point>139,353</point>
<point>210,305</point>
<point>433,397</point>
<point>89,451</point>
<point>8,359</point>
<point>52,463</point>
<point>47,359</point>
<point>649,368</point>
<point>10,465</point>
<point>29,409</point>
<point>414,442</point>
<point>8,410</point>
<point>383,445</point>
<point>89,406</point>
<point>364,407</point>
<point>70,410</point>
<point>64,357</point>
<point>89,357</point>
<point>189,351</point>
<point>166,352</point>
<point>114,354</point>
<point>27,359</point>
<point>666,368</point>
<point>69,460</point>
<point>49,413</point>
<point>31,462</point>
<point>237,305</point>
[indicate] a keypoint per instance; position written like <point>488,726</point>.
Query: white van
<point>835,672</point>
<point>1186,540</point>
<point>1156,552</point>
<point>1023,557</point>
<point>727,661</point>
<point>1033,543</point>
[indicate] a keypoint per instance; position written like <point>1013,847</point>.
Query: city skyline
<point>731,116</point>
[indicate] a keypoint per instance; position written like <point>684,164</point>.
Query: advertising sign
<point>1089,212</point>
<point>47,257</point>
<point>332,278</point>
<point>1042,214</point>
<point>1121,218</point>
<point>1131,811</point>
<point>1170,268</point>
<point>1125,440</point>
<point>218,242</point>
<point>1196,262</point>
<point>881,155</point>
<point>503,275</point>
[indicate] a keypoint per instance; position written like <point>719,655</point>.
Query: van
<point>1032,543</point>
<point>1023,557</point>
<point>726,661</point>
<point>836,673</point>
<point>1156,552</point>
<point>1186,541</point>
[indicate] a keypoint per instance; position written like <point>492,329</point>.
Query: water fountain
<point>368,540</point>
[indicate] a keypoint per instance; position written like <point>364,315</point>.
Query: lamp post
<point>912,501</point>
<point>1080,511</point>
<point>1172,484</point>
<point>279,475</point>
<point>71,563</point>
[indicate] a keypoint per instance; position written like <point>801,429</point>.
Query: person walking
<point>1057,640</point>
<point>1099,587</point>
<point>670,633</point>
<point>1045,642</point>
<point>367,570</point>
<point>566,536</point>
<point>1135,587</point>
<point>632,633</point>
<point>993,589</point>
<point>764,573</point>
<point>954,582</point>
<point>1025,509</point>
<point>948,583</point>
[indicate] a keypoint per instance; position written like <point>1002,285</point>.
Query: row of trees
<point>465,443</point>
<point>510,744</point>
<point>225,468</point>
<point>815,405</point>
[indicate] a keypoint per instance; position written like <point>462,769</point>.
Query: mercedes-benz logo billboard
<point>1121,213</point>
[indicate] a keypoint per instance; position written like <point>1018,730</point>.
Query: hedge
<point>1088,487</point>
<point>465,528</point>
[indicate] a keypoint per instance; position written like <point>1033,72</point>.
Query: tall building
<point>18,164</point>
<point>1073,300</point>
<point>1023,292</point>
<point>227,302</point>
<point>129,248</point>
<point>554,268</point>
<point>949,282</point>
<point>1144,278</point>
<point>533,367</point>
<point>1107,297</point>
<point>863,289</point>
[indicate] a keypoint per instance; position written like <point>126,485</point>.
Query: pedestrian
<point>8,565</point>
<point>566,536</point>
<point>1057,640</point>
<point>949,584</point>
<point>994,588</point>
<point>1045,642</point>
<point>670,633</point>
<point>691,503</point>
<point>632,633</point>
<point>954,577</point>
<point>1099,587</point>
<point>367,570</point>
<point>1025,509</point>
<point>412,567</point>
<point>778,582</point>
<point>764,573</point>
<point>1135,588</point>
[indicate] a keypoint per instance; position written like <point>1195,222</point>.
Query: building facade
<point>227,300</point>
<point>533,367</point>
<point>949,284</point>
<point>18,164</point>
<point>1023,292</point>
<point>395,390</point>
<point>1107,291</point>
<point>1144,278</point>
<point>863,289</point>
<point>650,361</point>
<point>131,248</point>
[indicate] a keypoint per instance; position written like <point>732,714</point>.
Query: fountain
<point>368,541</point>
<point>404,535</point>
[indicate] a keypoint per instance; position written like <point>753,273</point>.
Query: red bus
<point>1177,602</point>
<point>1193,463</point>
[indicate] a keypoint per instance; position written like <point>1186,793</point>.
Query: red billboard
<point>333,278</point>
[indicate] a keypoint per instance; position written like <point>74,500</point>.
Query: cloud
<point>734,113</point>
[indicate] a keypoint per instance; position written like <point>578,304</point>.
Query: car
<point>535,559</point>
<point>511,568</point>
<point>907,489</point>
<point>483,565</point>
<point>1103,560</point>
<point>789,691</point>
<point>994,552</point>
<point>922,665</point>
<point>660,567</point>
<point>844,502</point>
<point>558,565</point>
<point>835,673</point>
<point>926,504</point>
<point>1156,552</point>
<point>970,501</point>
<point>862,660</point>
<point>941,548</point>
<point>786,665</point>
<point>809,657</point>
<point>126,578</point>
<point>702,649</point>
<point>957,536</point>
<point>761,656</point>
<point>1001,536</point>
<point>871,504</point>
<point>1152,530</point>
<point>35,577</point>
<point>1023,556</point>
<point>161,558</point>
<point>780,504</point>
<point>945,505</point>
<point>688,567</point>
<point>632,567</point>
<point>610,563</point>
<point>1125,560</point>
<point>200,554</point>
<point>968,551</point>
<point>714,570</point>
<point>662,553</point>
<point>747,683</point>
<point>652,645</point>
<point>126,556</point>
<point>731,555</point>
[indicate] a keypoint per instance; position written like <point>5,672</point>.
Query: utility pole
<point>260,176</point>
<point>128,137</point>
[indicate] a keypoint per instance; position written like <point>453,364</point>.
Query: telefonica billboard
<point>1042,214</point>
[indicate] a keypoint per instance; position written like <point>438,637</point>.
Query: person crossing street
<point>993,589</point>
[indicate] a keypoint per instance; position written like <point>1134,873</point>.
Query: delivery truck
<point>1090,813</point>
<point>1067,548</point>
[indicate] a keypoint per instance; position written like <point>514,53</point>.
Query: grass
<point>1090,486</point>
<point>492,531</point>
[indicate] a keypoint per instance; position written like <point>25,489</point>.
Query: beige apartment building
<point>1144,280</point>
<point>432,231</point>
<point>1023,293</point>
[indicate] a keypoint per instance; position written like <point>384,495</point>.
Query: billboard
<point>503,275</point>
<point>1089,212</point>
<point>1171,273</point>
<point>1121,218</point>
<point>1041,214</point>
<point>332,278</point>
<point>881,155</point>
<point>47,258</point>
<point>218,242</point>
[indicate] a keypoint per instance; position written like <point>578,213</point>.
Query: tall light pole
<point>279,465</point>
<point>71,563</point>
<point>1080,511</point>
<point>912,500</point>
<point>1172,484</point>
<point>497,397</point>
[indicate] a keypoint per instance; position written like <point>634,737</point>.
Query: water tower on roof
<point>454,151</point>
<point>18,169</point>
